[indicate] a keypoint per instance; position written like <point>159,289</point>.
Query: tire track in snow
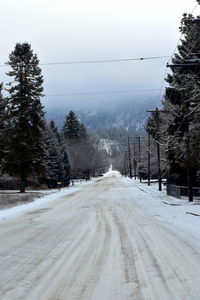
<point>95,245</point>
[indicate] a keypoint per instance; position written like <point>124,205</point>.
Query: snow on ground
<point>111,173</point>
<point>39,202</point>
<point>96,245</point>
<point>176,214</point>
<point>147,197</point>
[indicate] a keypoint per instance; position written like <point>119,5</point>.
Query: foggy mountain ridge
<point>126,115</point>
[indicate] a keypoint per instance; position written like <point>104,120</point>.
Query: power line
<point>98,61</point>
<point>194,8</point>
<point>170,58</point>
<point>185,116</point>
<point>181,35</point>
<point>101,93</point>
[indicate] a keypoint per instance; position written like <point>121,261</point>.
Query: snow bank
<point>112,173</point>
<point>166,208</point>
<point>39,202</point>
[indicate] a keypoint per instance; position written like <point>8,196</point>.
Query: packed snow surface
<point>173,211</point>
<point>54,195</point>
<point>113,239</point>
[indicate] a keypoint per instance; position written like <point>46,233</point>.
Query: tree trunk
<point>22,186</point>
<point>88,175</point>
<point>190,184</point>
<point>149,159</point>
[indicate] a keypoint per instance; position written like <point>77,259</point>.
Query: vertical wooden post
<point>139,154</point>
<point>158,149</point>
<point>129,158</point>
<point>135,161</point>
<point>125,163</point>
<point>157,119</point>
<point>149,158</point>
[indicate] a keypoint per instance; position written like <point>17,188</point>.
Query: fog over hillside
<point>128,113</point>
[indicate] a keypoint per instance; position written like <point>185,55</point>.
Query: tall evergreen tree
<point>64,166</point>
<point>25,149</point>
<point>82,131</point>
<point>3,120</point>
<point>182,102</point>
<point>52,158</point>
<point>58,168</point>
<point>71,128</point>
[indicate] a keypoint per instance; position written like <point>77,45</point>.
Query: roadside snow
<point>155,203</point>
<point>39,202</point>
<point>166,208</point>
<point>111,173</point>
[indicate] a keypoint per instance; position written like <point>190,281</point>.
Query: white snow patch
<point>39,202</point>
<point>176,214</point>
<point>108,145</point>
<point>112,173</point>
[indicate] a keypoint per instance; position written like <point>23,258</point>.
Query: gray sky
<point>77,30</point>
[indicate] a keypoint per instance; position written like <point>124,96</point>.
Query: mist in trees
<point>31,150</point>
<point>85,157</point>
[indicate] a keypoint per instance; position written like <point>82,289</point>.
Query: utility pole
<point>189,171</point>
<point>129,159</point>
<point>135,161</point>
<point>157,119</point>
<point>188,158</point>
<point>125,163</point>
<point>149,158</point>
<point>158,159</point>
<point>139,155</point>
<point>139,149</point>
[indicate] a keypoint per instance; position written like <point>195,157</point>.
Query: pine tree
<point>57,159</point>
<point>25,149</point>
<point>151,126</point>
<point>3,120</point>
<point>181,101</point>
<point>71,128</point>
<point>64,162</point>
<point>52,159</point>
<point>64,166</point>
<point>82,131</point>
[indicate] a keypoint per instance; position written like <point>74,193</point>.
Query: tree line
<point>31,150</point>
<point>177,125</point>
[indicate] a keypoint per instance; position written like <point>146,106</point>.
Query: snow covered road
<point>96,244</point>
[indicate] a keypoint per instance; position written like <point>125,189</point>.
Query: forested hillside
<point>119,115</point>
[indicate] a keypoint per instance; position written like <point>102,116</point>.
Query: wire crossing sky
<point>97,61</point>
<point>95,46</point>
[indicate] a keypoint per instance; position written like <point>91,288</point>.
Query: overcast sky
<point>74,30</point>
